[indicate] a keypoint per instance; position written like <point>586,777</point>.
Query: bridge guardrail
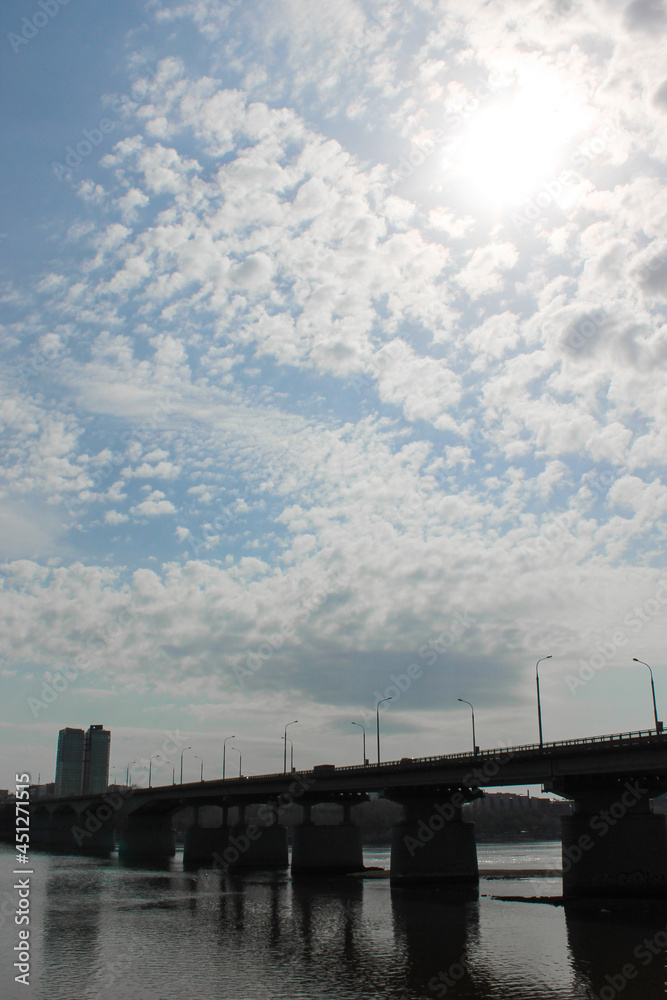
<point>583,742</point>
<point>590,742</point>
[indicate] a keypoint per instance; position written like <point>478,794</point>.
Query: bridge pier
<point>613,844</point>
<point>94,831</point>
<point>433,844</point>
<point>147,835</point>
<point>200,844</point>
<point>326,850</point>
<point>240,845</point>
<point>254,846</point>
<point>40,828</point>
<point>61,835</point>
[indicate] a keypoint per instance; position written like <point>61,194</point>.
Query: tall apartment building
<point>69,762</point>
<point>82,762</point>
<point>96,759</point>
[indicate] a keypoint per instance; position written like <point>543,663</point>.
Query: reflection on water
<point>106,931</point>
<point>620,951</point>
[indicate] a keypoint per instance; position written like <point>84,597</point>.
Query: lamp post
<point>150,767</point>
<point>224,748</point>
<point>182,752</point>
<point>201,773</point>
<point>363,728</point>
<point>173,774</point>
<point>658,725</point>
<point>127,773</point>
<point>285,751</point>
<point>539,706</point>
<point>240,759</point>
<point>377,723</point>
<point>474,743</point>
<point>291,754</point>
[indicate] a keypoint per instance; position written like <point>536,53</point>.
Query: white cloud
<point>153,506</point>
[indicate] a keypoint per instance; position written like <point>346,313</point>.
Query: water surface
<point>104,930</point>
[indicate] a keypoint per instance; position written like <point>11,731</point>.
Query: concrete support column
<point>200,844</point>
<point>251,846</point>
<point>433,844</point>
<point>147,836</point>
<point>61,834</point>
<point>326,850</point>
<point>235,847</point>
<point>613,844</point>
<point>40,828</point>
<point>93,830</point>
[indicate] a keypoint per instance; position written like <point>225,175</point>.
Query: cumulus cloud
<point>371,398</point>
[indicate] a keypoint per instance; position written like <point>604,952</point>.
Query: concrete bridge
<point>613,843</point>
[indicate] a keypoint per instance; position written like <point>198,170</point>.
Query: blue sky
<point>333,342</point>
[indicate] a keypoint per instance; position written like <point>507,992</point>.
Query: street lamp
<point>474,744</point>
<point>240,759</point>
<point>658,725</point>
<point>201,773</point>
<point>150,766</point>
<point>182,752</point>
<point>539,707</point>
<point>173,774</point>
<point>127,773</point>
<point>377,723</point>
<point>224,748</point>
<point>291,754</point>
<point>285,752</point>
<point>362,727</point>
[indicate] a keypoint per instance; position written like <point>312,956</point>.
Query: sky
<point>333,369</point>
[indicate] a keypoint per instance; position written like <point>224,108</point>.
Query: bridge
<point>613,843</point>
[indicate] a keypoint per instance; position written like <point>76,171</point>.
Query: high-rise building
<point>96,759</point>
<point>69,762</point>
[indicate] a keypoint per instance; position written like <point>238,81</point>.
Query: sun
<point>511,146</point>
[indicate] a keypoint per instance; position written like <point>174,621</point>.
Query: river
<point>101,930</point>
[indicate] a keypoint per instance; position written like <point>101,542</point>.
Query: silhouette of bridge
<point>613,843</point>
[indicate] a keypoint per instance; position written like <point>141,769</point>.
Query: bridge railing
<point>584,742</point>
<point>587,742</point>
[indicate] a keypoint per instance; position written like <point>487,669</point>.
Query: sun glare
<point>509,148</point>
